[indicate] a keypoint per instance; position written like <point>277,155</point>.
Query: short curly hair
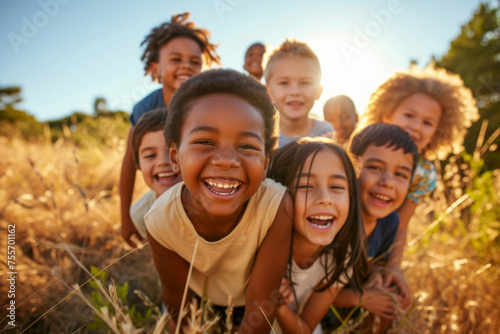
<point>151,121</point>
<point>291,48</point>
<point>456,101</point>
<point>221,81</point>
<point>177,27</point>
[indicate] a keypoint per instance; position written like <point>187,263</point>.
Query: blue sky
<point>65,53</point>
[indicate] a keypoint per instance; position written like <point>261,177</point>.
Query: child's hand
<point>129,232</point>
<point>381,301</point>
<point>375,280</point>
<point>394,277</point>
<point>286,292</point>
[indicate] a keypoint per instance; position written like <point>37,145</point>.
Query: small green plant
<point>99,302</point>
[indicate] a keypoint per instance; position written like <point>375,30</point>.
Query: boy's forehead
<point>387,154</point>
<point>288,65</point>
<point>152,138</point>
<point>255,48</point>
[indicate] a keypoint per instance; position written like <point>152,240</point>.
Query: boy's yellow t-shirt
<point>226,264</point>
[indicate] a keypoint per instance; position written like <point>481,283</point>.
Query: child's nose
<point>226,157</point>
<point>323,196</point>
<point>186,63</point>
<point>386,179</point>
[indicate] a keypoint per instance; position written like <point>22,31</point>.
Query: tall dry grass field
<point>64,200</point>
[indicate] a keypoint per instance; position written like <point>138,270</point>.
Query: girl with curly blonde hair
<point>436,109</point>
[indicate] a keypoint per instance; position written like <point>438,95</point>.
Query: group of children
<point>280,215</point>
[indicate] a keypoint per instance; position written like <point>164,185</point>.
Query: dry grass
<point>61,198</point>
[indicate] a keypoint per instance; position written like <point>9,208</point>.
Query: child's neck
<point>209,227</point>
<point>296,128</point>
<point>370,223</point>
<point>167,95</point>
<point>305,253</point>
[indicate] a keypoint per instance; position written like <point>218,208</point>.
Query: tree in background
<point>475,55</point>
<point>100,106</point>
<point>14,121</point>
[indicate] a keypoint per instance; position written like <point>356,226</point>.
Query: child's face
<point>342,121</point>
<point>294,85</point>
<point>253,61</point>
<point>221,154</point>
<point>155,164</point>
<point>384,179</point>
<point>178,60</point>
<point>419,115</point>
<point>322,202</point>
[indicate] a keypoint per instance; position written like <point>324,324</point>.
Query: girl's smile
<point>322,200</point>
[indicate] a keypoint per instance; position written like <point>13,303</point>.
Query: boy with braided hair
<point>174,52</point>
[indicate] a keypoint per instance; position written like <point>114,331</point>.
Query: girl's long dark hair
<point>348,247</point>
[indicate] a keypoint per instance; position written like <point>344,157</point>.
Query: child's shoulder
<point>152,101</point>
<point>166,199</point>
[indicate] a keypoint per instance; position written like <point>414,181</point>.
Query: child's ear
<point>174,158</point>
<point>271,95</point>
<point>320,90</point>
<point>153,70</point>
<point>385,118</point>
<point>266,165</point>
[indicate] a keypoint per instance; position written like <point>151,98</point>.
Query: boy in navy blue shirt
<point>386,157</point>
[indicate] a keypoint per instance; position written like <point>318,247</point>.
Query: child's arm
<point>392,271</point>
<point>127,180</point>
<point>315,309</point>
<point>270,264</point>
<point>173,271</point>
<point>405,212</point>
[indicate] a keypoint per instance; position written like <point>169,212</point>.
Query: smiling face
<point>221,155</point>
<point>383,181</point>
<point>253,60</point>
<point>294,85</point>
<point>419,115</point>
<point>322,200</point>
<point>155,164</point>
<point>178,60</point>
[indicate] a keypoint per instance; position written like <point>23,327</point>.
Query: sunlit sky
<point>65,53</point>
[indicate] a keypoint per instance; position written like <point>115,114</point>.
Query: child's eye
<point>408,115</point>
<point>304,186</point>
<point>204,142</point>
<point>149,156</point>
<point>374,168</point>
<point>175,59</point>
<point>196,62</point>
<point>338,187</point>
<point>282,83</point>
<point>403,176</point>
<point>250,147</point>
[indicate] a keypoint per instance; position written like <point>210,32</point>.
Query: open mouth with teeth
<point>183,76</point>
<point>321,222</point>
<point>223,187</point>
<point>165,177</point>
<point>380,199</point>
